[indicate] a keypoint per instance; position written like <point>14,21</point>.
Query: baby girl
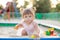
<point>30,27</point>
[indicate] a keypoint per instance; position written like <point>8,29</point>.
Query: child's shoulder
<point>21,23</point>
<point>35,23</point>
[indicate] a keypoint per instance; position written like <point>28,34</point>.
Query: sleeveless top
<point>29,28</point>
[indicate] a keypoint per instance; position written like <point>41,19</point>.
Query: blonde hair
<point>28,11</point>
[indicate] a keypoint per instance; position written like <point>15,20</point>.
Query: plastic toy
<point>50,32</point>
<point>53,34</point>
<point>47,33</point>
<point>33,36</point>
<point>50,29</point>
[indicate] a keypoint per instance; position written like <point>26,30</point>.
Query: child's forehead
<point>27,11</point>
<point>27,14</point>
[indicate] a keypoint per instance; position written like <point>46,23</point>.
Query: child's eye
<point>29,16</point>
<point>25,16</point>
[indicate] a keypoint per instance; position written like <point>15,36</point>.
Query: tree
<point>26,3</point>
<point>58,7</point>
<point>42,5</point>
<point>1,9</point>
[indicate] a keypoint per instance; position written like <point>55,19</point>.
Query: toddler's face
<point>28,17</point>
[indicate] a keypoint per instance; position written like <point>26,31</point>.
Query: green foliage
<point>42,5</point>
<point>26,3</point>
<point>1,7</point>
<point>58,7</point>
<point>53,10</point>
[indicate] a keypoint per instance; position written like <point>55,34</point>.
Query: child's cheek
<point>28,19</point>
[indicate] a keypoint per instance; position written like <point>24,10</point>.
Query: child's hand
<point>15,28</point>
<point>18,26</point>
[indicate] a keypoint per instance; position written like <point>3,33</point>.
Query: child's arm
<point>37,29</point>
<point>18,26</point>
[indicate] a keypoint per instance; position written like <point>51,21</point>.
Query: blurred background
<point>46,9</point>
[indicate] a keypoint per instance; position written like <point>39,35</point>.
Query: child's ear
<point>33,10</point>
